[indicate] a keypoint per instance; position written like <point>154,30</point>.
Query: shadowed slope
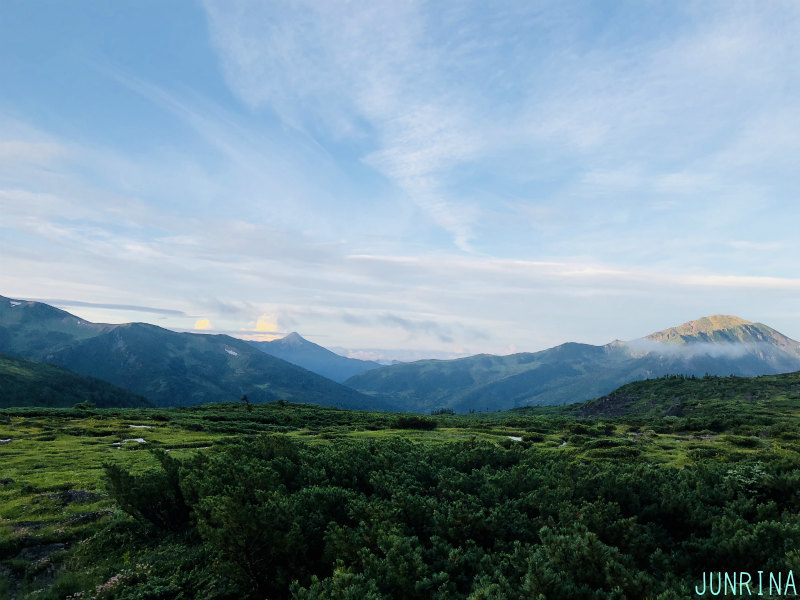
<point>168,368</point>
<point>27,383</point>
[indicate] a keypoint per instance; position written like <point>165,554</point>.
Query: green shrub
<point>744,442</point>
<point>413,422</point>
<point>154,497</point>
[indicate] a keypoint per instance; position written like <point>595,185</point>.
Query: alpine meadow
<point>347,300</point>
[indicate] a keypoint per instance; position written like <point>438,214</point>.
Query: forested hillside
<point>28,383</point>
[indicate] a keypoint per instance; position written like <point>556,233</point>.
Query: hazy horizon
<point>641,343</point>
<point>442,178</point>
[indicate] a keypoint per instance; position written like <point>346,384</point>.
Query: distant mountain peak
<point>702,329</point>
<point>297,350</point>
<point>294,338</point>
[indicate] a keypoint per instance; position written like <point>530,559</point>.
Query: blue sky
<point>443,178</point>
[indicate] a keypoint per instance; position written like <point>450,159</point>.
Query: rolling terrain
<point>719,345</point>
<point>166,367</point>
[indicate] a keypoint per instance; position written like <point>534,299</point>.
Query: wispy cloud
<point>638,127</point>
<point>452,176</point>
<point>368,75</point>
<point>122,307</point>
<point>757,246</point>
<point>16,152</point>
<point>687,351</point>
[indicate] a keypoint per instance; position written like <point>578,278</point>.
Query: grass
<point>53,494</point>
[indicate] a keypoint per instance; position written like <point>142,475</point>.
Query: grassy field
<point>53,490</point>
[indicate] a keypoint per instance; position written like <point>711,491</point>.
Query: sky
<point>403,179</point>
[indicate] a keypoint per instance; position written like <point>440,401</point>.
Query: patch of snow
<point>198,448</point>
<point>564,443</point>
<point>8,441</point>
<point>516,438</point>
<point>231,352</point>
<point>141,426</point>
<point>137,440</point>
<point>14,303</point>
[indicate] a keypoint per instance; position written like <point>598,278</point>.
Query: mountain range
<point>574,372</point>
<point>299,351</point>
<point>183,369</point>
<point>166,367</point>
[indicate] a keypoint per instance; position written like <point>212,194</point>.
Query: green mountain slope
<point>168,368</point>
<point>299,351</point>
<point>27,383</point>
<point>703,397</point>
<point>482,382</point>
<point>185,369</point>
<point>577,372</point>
<point>32,329</point>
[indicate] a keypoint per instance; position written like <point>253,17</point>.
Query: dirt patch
<point>39,552</point>
<point>706,437</point>
<point>69,496</point>
<point>23,526</point>
<point>89,517</point>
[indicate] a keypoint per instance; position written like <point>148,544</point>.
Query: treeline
<point>273,518</point>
